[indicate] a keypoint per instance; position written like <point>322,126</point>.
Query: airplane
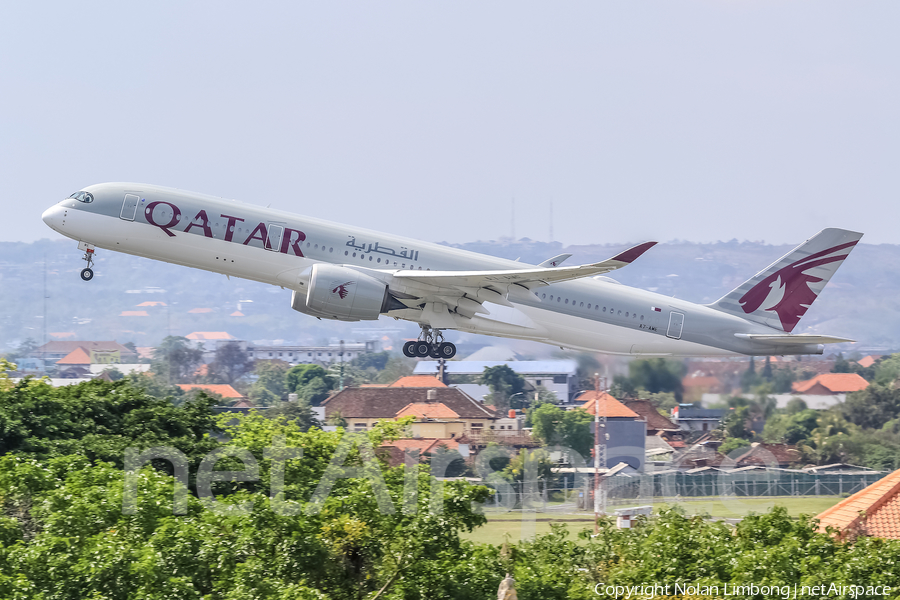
<point>353,274</point>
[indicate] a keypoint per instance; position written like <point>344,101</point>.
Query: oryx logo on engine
<point>342,290</point>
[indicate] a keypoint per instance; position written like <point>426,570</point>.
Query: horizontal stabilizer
<point>800,338</point>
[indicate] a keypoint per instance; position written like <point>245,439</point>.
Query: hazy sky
<point>693,120</point>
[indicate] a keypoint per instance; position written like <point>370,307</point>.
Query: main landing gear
<point>87,273</point>
<point>430,343</point>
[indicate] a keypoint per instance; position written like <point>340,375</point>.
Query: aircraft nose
<point>53,217</point>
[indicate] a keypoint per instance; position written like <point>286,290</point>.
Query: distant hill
<point>861,303</point>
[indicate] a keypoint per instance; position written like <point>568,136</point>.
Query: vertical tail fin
<point>779,295</point>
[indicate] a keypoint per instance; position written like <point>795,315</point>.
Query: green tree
<point>887,370</point>
<point>176,360</point>
<point>231,362</point>
<point>872,407</point>
<point>270,386</point>
<point>311,383</point>
<point>555,426</point>
<point>99,420</point>
<point>658,375</point>
<point>504,383</point>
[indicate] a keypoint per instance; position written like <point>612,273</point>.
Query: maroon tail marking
<point>795,281</point>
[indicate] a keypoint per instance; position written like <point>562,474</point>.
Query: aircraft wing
<point>784,338</point>
<point>464,292</point>
<point>527,278</point>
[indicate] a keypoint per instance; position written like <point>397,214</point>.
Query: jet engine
<point>337,292</point>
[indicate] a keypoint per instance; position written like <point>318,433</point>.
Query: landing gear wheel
<point>423,349</point>
<point>87,274</point>
<point>409,349</point>
<point>446,350</point>
<point>435,353</point>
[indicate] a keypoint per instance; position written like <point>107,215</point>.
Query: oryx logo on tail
<point>342,290</point>
<point>788,292</point>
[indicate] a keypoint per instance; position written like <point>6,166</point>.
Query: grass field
<point>503,526</point>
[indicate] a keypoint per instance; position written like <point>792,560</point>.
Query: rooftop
<point>418,381</point>
<point>609,406</point>
<point>648,412</point>
<point>78,356</point>
<point>427,410</point>
<point>836,383</point>
<point>224,390</point>
<point>873,511</point>
<point>385,402</point>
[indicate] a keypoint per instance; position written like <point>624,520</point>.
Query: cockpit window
<point>82,197</point>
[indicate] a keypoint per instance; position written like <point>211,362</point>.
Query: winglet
<point>632,254</point>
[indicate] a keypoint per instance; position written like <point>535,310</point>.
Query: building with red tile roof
<point>418,381</point>
<point>829,384</point>
<point>655,421</point>
<point>152,303</point>
<point>78,356</point>
<point>868,361</point>
<point>362,407</point>
<point>609,406</point>
<point>427,410</point>
<point>873,511</point>
<point>224,390</point>
<point>134,313</point>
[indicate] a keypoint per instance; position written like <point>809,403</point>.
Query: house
<point>697,383</point>
<point>422,381</point>
<point>362,407</point>
<point>224,390</point>
<point>831,384</point>
<point>769,455</point>
<point>98,352</point>
<point>626,432</point>
<point>394,452</point>
<point>867,361</point>
<point>697,456</point>
<point>557,376</point>
<point>302,355</point>
<point>656,422</point>
<point>873,511</point>
<point>691,418</point>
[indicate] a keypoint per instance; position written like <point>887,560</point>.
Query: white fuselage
<point>275,247</point>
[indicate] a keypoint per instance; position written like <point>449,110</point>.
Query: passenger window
<point>581,305</point>
<point>589,306</point>
<point>567,300</point>
<point>626,313</point>
<point>544,297</point>
<point>379,260</point>
<point>346,253</point>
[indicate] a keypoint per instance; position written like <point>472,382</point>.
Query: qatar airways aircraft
<point>351,274</point>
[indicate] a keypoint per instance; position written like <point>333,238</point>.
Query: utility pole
<point>341,354</point>
<point>44,344</point>
<point>599,453</point>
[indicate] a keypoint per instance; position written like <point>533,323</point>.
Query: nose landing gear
<point>87,273</point>
<point>430,343</point>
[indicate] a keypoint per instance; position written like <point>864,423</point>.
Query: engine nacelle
<point>336,292</point>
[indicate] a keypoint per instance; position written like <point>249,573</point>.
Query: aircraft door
<point>676,324</point>
<point>129,207</point>
<point>273,237</point>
